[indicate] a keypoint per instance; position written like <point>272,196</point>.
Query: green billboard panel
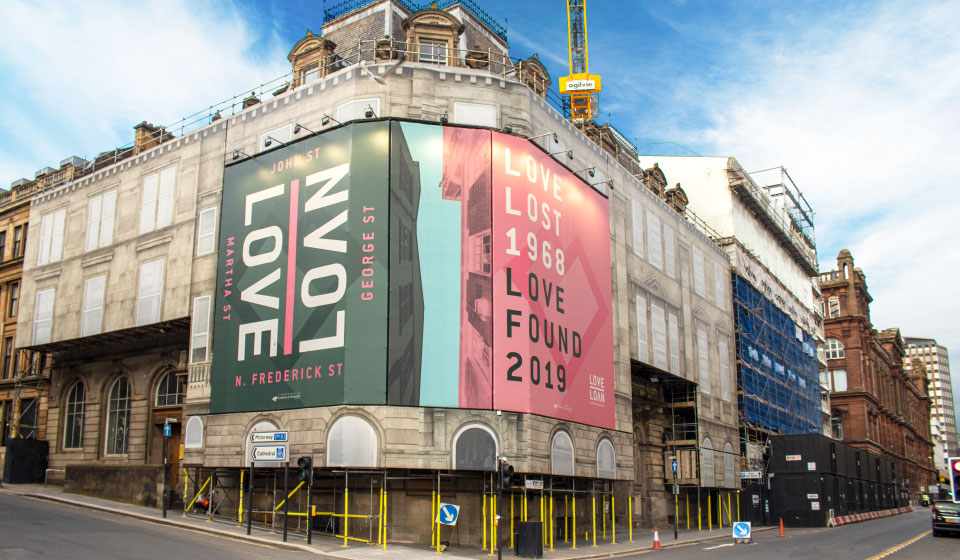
<point>301,314</point>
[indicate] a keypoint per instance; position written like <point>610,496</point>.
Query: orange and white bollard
<point>656,539</point>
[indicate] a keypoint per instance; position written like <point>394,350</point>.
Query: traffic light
<point>954,463</point>
<point>506,474</point>
<point>305,464</point>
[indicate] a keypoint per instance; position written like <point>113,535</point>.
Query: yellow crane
<point>580,84</point>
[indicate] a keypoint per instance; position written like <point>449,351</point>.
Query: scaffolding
<point>777,372</point>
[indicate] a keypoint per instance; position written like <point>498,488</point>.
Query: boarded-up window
<point>653,240</point>
<point>641,305</point>
<point>729,474</point>
<point>606,460</point>
<point>659,324</point>
<point>674,334</point>
<point>352,443</point>
<point>475,450</point>
<point>720,281</point>
<point>698,283</point>
<point>669,252</point>
<point>637,228</point>
<point>707,474</point>
<point>194,436</point>
<point>703,360</point>
<point>724,370</point>
<point>561,454</point>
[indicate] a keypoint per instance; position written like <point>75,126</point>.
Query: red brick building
<point>876,404</point>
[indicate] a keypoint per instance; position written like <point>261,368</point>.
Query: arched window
<point>352,443</point>
<point>729,477</point>
<point>834,349</point>
<point>194,436</point>
<point>561,454</point>
<point>606,460</point>
<point>707,474</point>
<point>475,449</point>
<point>118,417</point>
<point>833,306</point>
<point>170,389</point>
<point>73,417</point>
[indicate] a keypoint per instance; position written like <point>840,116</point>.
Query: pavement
<point>326,545</point>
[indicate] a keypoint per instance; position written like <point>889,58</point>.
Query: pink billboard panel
<point>553,330</point>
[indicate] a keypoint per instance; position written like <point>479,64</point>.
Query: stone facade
<point>876,404</point>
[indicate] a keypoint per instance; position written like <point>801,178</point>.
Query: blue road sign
<point>166,430</point>
<point>741,530</point>
<point>448,514</point>
<point>673,466</point>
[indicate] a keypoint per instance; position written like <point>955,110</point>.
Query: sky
<point>859,101</point>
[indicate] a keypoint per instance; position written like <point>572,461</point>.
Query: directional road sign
<point>673,466</point>
<point>269,452</point>
<point>448,514</point>
<point>741,530</point>
<point>269,437</point>
<point>166,430</point>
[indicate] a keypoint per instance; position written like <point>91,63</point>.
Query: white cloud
<point>80,75</point>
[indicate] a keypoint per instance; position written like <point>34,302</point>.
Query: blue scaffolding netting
<point>777,370</point>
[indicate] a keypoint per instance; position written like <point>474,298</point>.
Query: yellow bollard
<point>729,521</point>
<point>511,519</point>
<point>346,516</point>
<point>630,516</point>
<point>709,514</point>
<point>720,509</point>
<point>493,510</point>
<point>603,515</point>
<point>483,517</point>
<point>433,515</point>
<point>687,498</point>
<point>613,519</point>
<point>240,506</point>
<point>574,500</point>
<point>385,503</point>
<point>566,519</point>
<point>379,519</point>
<point>699,516</point>
<point>543,520</point>
<point>594,517</point>
<point>738,505</point>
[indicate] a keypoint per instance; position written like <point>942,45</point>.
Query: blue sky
<point>858,100</point>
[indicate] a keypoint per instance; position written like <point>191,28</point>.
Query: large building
<point>876,404</point>
<point>765,227</point>
<point>410,262</point>
<point>943,423</point>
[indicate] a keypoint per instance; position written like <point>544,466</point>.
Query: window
<point>637,229</point>
<point>170,390</point>
<point>100,212</point>
<point>707,474</point>
<point>200,338</point>
<point>93,289</point>
<point>73,417</point>
<point>352,443</point>
<point>433,51</point>
<point>357,109</point>
<point>3,244</point>
<point>14,295</point>
<point>8,358</point>
<point>283,134</point>
<point>118,417</point>
<point>669,258</point>
<point>836,425</point>
<point>51,237</point>
<point>825,380</point>
<point>18,242</point>
<point>729,475</point>
<point>654,248</point>
<point>310,73</point>
<point>719,279</point>
<point>703,361</point>
<point>674,343</point>
<point>834,349</point>
<point>206,227</point>
<point>839,379</point>
<point>150,293</point>
<point>833,304</point>
<point>658,323</point>
<point>641,305</point>
<point>194,435</point>
<point>157,209</point>
<point>475,449</point>
<point>606,460</point>
<point>561,454</point>
<point>724,370</point>
<point>698,281</point>
<point>43,317</point>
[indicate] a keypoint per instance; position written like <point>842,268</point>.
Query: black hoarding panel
<point>798,499</point>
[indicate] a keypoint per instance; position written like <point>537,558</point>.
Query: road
<point>860,541</point>
<point>31,528</point>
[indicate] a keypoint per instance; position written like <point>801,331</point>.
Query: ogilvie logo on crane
<point>580,83</point>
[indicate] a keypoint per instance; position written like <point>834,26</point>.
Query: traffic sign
<point>448,514</point>
<point>269,453</point>
<point>268,437</point>
<point>166,430</point>
<point>673,466</point>
<point>741,530</point>
<point>751,474</point>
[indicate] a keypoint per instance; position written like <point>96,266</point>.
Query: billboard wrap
<point>301,309</point>
<point>413,265</point>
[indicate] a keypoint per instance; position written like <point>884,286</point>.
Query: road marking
<point>719,546</point>
<point>904,544</point>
